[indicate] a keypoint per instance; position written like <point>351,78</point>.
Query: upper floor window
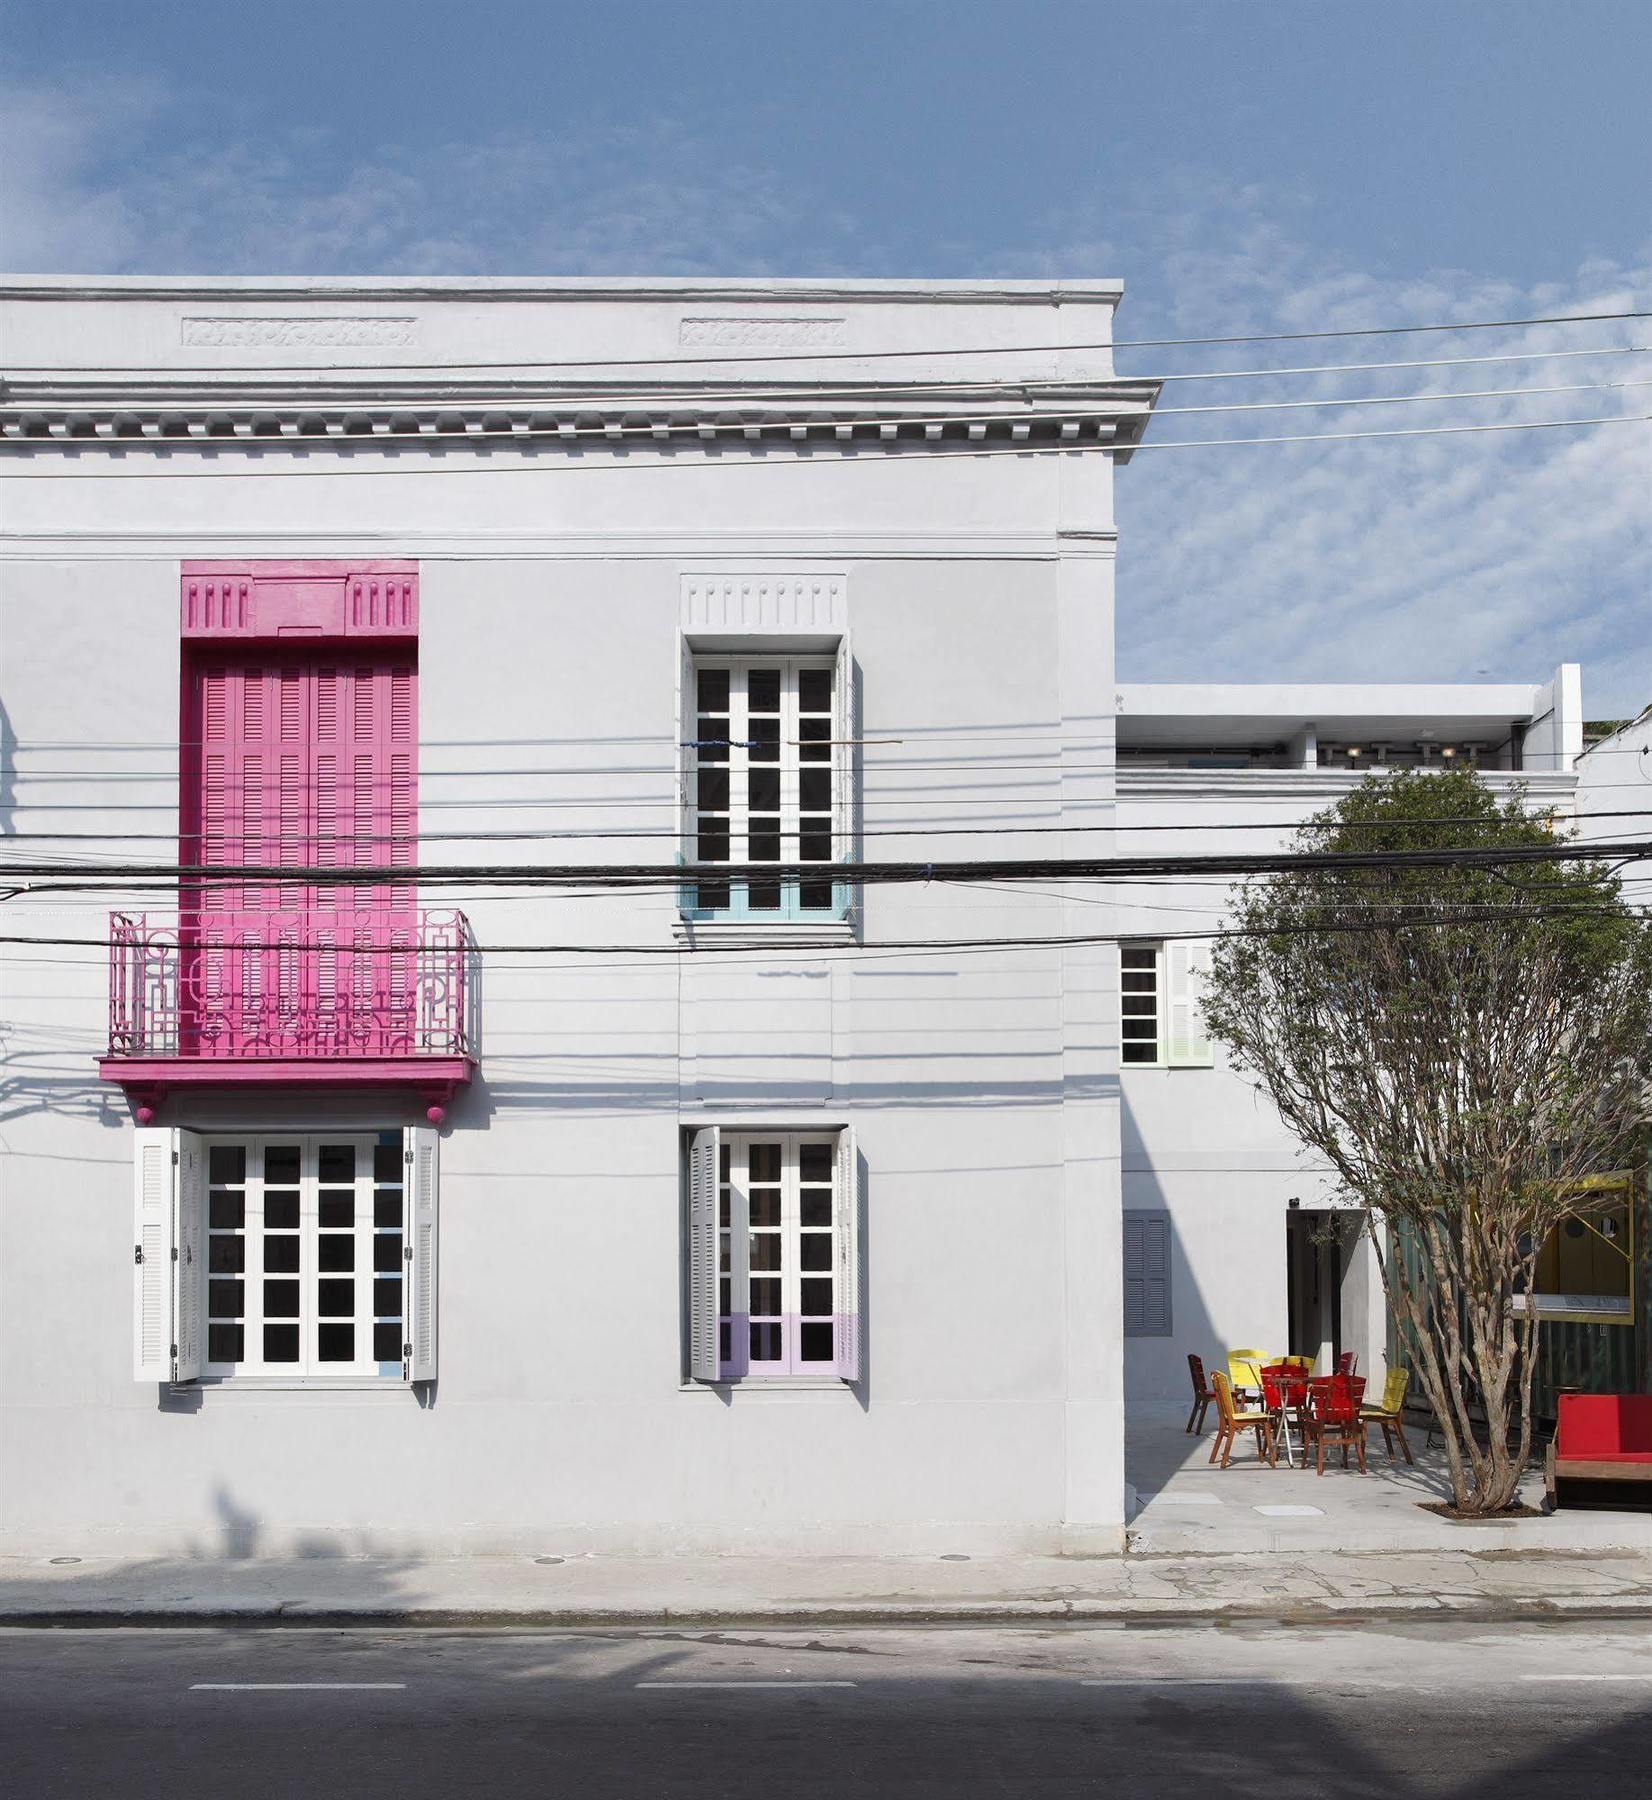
<point>766,782</point>
<point>1160,1024</point>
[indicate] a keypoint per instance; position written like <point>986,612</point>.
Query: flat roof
<point>1185,715</point>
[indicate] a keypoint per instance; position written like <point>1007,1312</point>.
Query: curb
<point>1424,1608</point>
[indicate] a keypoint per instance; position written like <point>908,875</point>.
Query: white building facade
<point>485,1207</point>
<point>454,1210</point>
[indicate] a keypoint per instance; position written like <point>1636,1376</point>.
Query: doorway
<point>1313,1286</point>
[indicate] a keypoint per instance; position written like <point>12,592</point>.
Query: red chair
<point>1347,1362</point>
<point>1285,1395</point>
<point>1334,1420</point>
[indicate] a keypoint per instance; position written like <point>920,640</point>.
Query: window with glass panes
<point>777,1254</point>
<point>1141,1032</point>
<point>305,1255</point>
<point>761,782</point>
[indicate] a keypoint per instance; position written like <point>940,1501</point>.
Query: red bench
<point>1601,1437</point>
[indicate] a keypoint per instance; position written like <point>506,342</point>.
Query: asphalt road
<point>1274,1711</point>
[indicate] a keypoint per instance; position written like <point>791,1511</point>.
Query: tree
<point>1463,1045</point>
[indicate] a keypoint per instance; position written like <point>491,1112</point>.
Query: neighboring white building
<point>1220,1203</point>
<point>457,576</point>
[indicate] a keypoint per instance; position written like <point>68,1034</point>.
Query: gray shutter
<point>420,1203</point>
<point>846,728</point>
<point>152,1247</point>
<point>189,1265</point>
<point>704,1152</point>
<point>847,1298</point>
<point>1147,1274</point>
<point>687,729</point>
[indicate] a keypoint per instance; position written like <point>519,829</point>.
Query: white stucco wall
<point>979,599</point>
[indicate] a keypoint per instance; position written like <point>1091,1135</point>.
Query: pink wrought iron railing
<point>313,983</point>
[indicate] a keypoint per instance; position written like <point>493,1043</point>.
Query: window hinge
<point>174,1159</point>
<point>174,1252</point>
<point>137,1253</point>
<point>407,1254</point>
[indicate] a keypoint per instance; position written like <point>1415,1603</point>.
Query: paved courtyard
<point>1183,1503</point>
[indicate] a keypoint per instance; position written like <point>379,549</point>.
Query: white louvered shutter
<point>1186,964</point>
<point>846,728</point>
<point>420,1252</point>
<point>189,1262</point>
<point>688,710</point>
<point>704,1152</point>
<point>154,1183</point>
<point>847,1298</point>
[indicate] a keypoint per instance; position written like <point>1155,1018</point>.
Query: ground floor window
<point>774,1234</point>
<point>286,1255</point>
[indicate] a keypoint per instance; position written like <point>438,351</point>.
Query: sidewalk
<point>614,1591</point>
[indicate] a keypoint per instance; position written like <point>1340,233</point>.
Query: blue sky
<point>1249,165</point>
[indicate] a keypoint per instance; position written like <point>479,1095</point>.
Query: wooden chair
<point>1334,1420</point>
<point>1230,1421</point>
<point>1245,1372</point>
<point>1390,1413</point>
<point>1202,1395</point>
<point>1347,1362</point>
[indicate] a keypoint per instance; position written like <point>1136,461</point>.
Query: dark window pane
<point>227,1164</point>
<point>280,1255</point>
<point>764,736</point>
<point>814,1162</point>
<point>226,1211</point>
<point>763,690</point>
<point>765,1250</point>
<point>725,1296</point>
<point>387,1207</point>
<point>337,1163</point>
<point>723,1209</point>
<point>336,1250</point>
<point>281,1212</point>
<point>763,790</point>
<point>763,1163</point>
<point>280,1299</point>
<point>763,896</point>
<point>815,896</point>
<point>814,690</point>
<point>814,1250</point>
<point>281,1165</point>
<point>763,846</point>
<point>336,1299</point>
<point>814,1343</point>
<point>765,1343</point>
<point>280,1343</point>
<point>337,1211</point>
<point>225,1343</point>
<point>226,1255</point>
<point>711,794</point>
<point>814,840</point>
<point>226,1299</point>
<point>711,844</point>
<point>387,1162</point>
<point>711,690</point>
<point>814,739</point>
<point>725,1343</point>
<point>711,896</point>
<point>725,1162</point>
<point>816,1292</point>
<point>387,1252</point>
<point>387,1297</point>
<point>765,1297</point>
<point>1141,1053</point>
<point>815,1206</point>
<point>764,1206</point>
<point>711,740</point>
<point>814,790</point>
<point>387,1343</point>
<point>336,1343</point>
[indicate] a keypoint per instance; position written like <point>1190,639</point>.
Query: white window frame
<point>1179,967</point>
<point>173,1257</point>
<point>722,1235</point>
<point>791,660</point>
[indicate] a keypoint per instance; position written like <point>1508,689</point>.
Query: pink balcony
<point>316,998</point>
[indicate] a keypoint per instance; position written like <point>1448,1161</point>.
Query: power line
<point>814,356</point>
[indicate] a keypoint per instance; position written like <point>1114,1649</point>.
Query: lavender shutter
<point>703,1151</point>
<point>846,1203</point>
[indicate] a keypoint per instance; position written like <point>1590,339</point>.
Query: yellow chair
<point>1298,1362</point>
<point>1231,1420</point>
<point>1390,1414</point>
<point>1245,1371</point>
